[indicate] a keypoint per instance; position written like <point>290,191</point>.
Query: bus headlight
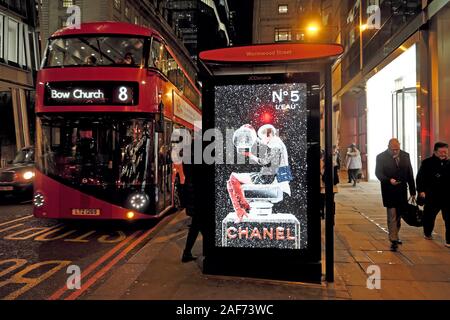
<point>28,175</point>
<point>138,201</point>
<point>38,200</point>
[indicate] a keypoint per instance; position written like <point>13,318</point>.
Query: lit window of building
<point>117,4</point>
<point>282,8</point>
<point>300,36</point>
<point>127,12</point>
<point>67,3</point>
<point>283,34</point>
<point>136,20</point>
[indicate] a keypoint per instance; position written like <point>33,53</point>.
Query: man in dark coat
<point>393,169</point>
<point>189,204</point>
<point>433,185</point>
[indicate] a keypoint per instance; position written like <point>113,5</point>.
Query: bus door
<point>168,164</point>
<point>163,185</point>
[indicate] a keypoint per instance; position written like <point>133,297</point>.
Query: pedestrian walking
<point>349,149</point>
<point>189,204</point>
<point>393,169</point>
<point>433,187</point>
<point>322,184</point>
<point>353,163</point>
<point>336,164</point>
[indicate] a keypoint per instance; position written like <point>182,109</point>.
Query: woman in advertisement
<point>273,159</point>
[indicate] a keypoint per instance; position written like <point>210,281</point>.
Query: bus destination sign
<point>91,93</point>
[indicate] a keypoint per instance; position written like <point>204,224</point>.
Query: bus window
<point>180,79</point>
<point>156,54</point>
<point>95,51</point>
<point>164,61</point>
<point>172,70</point>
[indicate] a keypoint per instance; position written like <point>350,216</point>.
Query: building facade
<point>285,21</point>
<point>19,60</point>
<point>202,24</point>
<point>393,79</point>
<point>290,20</point>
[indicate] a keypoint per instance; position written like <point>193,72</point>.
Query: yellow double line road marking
<point>15,220</point>
<point>122,248</point>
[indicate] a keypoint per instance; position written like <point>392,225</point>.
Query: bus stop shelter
<point>261,218</point>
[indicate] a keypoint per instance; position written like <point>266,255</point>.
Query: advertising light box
<point>266,175</point>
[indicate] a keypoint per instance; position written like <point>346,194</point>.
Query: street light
<point>363,27</point>
<point>312,29</point>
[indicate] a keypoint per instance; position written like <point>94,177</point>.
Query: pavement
<point>419,270</point>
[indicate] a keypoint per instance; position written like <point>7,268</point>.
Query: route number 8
<point>123,93</point>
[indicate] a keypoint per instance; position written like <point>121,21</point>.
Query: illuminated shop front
<point>392,109</point>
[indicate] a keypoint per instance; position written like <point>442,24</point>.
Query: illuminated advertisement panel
<point>261,199</point>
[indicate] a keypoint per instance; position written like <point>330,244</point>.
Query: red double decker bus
<point>109,96</point>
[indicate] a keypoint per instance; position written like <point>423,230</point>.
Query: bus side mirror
<point>159,125</point>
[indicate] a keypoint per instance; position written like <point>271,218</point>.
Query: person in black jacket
<point>433,185</point>
<point>189,203</point>
<point>393,169</point>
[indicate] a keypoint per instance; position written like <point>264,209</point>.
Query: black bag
<point>359,175</point>
<point>412,214</point>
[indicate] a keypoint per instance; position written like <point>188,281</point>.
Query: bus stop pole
<point>329,195</point>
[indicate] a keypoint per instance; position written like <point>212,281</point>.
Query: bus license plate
<point>6,188</point>
<point>85,212</point>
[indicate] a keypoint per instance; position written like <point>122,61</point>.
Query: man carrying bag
<point>433,186</point>
<point>393,169</point>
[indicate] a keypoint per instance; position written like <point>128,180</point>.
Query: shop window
<point>1,36</point>
<point>7,129</point>
<point>13,43</point>
<point>16,51</point>
<point>22,45</point>
<point>283,34</point>
<point>283,9</point>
